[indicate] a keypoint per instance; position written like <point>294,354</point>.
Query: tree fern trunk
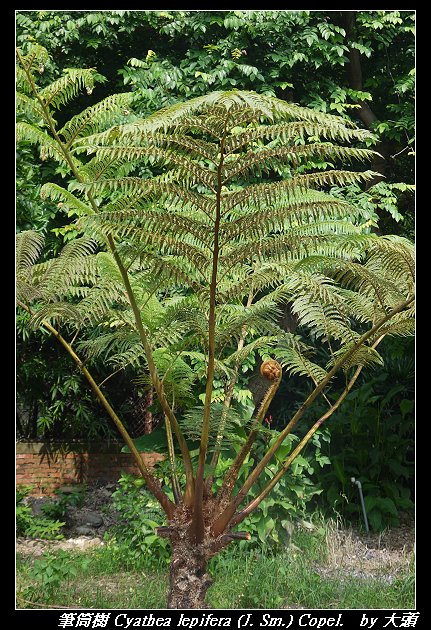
<point>188,579</point>
<point>148,423</point>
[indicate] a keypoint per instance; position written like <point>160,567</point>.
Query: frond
<point>286,211</point>
<point>185,169</point>
<point>246,280</point>
<point>191,423</point>
<point>176,375</point>
<point>71,204</point>
<point>68,86</point>
<point>48,146</point>
<point>266,159</point>
<point>295,362</point>
<point>363,356</point>
<point>28,248</point>
<point>145,223</point>
<point>291,131</point>
<point>53,312</point>
<point>318,238</point>
<point>98,169</point>
<point>394,257</point>
<point>187,145</point>
<point>282,236</point>
<point>118,348</point>
<point>22,83</point>
<point>158,190</point>
<point>35,59</point>
<point>323,320</point>
<point>165,245</point>
<point>400,325</point>
<point>93,118</point>
<point>240,356</point>
<point>174,271</point>
<point>73,266</point>
<point>29,245</point>
<point>199,362</point>
<point>103,303</point>
<point>210,111</point>
<point>233,318</point>
<point>363,308</point>
<point>29,106</point>
<point>268,193</point>
<point>374,285</point>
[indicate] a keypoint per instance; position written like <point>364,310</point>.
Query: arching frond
<point>68,86</point>
<point>70,203</point>
<point>145,223</point>
<point>55,311</point>
<point>29,245</point>
<point>291,131</point>
<point>232,319</point>
<point>91,120</point>
<point>59,278</point>
<point>394,257</point>
<point>363,355</point>
<point>285,214</point>
<point>29,106</point>
<point>296,362</point>
<point>268,193</point>
<point>240,356</point>
<point>266,159</point>
<point>192,424</point>
<point>48,146</point>
<point>35,59</point>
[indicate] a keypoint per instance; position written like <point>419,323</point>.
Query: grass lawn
<point>319,569</point>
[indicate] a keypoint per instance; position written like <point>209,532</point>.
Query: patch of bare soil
<point>36,547</point>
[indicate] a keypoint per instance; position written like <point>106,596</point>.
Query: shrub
<point>31,526</point>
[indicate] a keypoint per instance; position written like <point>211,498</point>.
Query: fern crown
<point>224,202</point>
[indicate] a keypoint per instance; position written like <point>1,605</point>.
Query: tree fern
<point>210,216</point>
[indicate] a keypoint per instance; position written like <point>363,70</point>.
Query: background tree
<point>356,64</point>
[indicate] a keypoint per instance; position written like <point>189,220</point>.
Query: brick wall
<point>46,467</point>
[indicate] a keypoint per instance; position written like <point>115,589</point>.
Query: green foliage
<point>263,579</point>
<point>272,524</point>
<point>57,508</point>
<point>33,526</point>
<point>49,572</point>
<point>135,537</point>
<point>53,402</point>
<point>193,52</point>
<point>296,55</point>
<point>265,229</point>
<point>306,573</point>
<point>372,439</point>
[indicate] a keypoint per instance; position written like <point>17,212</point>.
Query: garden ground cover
<point>323,566</point>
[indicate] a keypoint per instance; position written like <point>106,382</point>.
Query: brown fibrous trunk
<point>188,578</point>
